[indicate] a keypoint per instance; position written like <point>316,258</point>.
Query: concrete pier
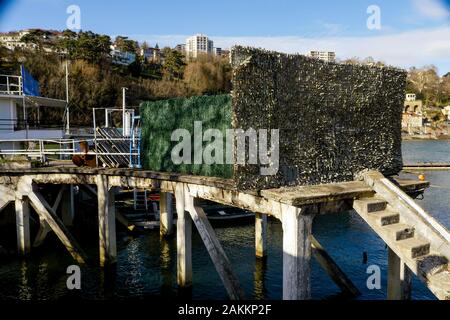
<point>23,224</point>
<point>399,278</point>
<point>260,235</point>
<point>297,229</point>
<point>184,239</point>
<point>295,207</point>
<point>165,214</point>
<point>106,221</point>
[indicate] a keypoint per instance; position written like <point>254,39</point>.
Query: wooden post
<point>46,212</point>
<point>260,235</point>
<point>23,225</point>
<point>297,227</point>
<point>184,239</point>
<point>67,206</point>
<point>399,278</point>
<point>165,214</point>
<point>215,250</point>
<point>106,221</point>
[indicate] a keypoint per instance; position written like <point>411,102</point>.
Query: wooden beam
<point>184,239</point>
<point>6,196</point>
<point>106,221</point>
<point>297,229</point>
<point>399,278</point>
<point>260,235</point>
<point>44,228</point>
<point>23,224</point>
<point>43,209</point>
<point>215,250</point>
<point>165,214</point>
<point>332,269</point>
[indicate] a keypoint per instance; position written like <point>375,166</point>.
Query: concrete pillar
<point>297,227</point>
<point>68,206</point>
<point>399,278</point>
<point>184,240</point>
<point>165,214</point>
<point>260,235</point>
<point>23,225</point>
<point>106,221</point>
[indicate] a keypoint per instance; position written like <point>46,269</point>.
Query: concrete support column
<point>68,206</point>
<point>399,278</point>
<point>23,224</point>
<point>184,239</point>
<point>165,214</point>
<point>106,221</point>
<point>297,227</point>
<point>260,235</point>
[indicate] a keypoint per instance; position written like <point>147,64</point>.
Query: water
<point>146,265</point>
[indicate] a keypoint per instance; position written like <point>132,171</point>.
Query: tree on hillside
<point>145,45</point>
<point>208,75</point>
<point>35,37</point>
<point>173,67</point>
<point>126,45</point>
<point>426,82</point>
<point>92,47</point>
<point>68,43</point>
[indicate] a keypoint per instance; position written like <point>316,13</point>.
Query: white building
<point>410,97</point>
<point>15,125</point>
<point>327,56</point>
<point>12,40</point>
<point>218,51</point>
<point>122,58</point>
<point>198,44</point>
<point>151,54</point>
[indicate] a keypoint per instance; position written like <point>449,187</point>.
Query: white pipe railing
<point>10,84</point>
<point>40,148</point>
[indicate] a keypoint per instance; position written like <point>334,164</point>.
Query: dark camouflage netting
<point>335,120</point>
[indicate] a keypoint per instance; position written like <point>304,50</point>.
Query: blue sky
<point>414,32</point>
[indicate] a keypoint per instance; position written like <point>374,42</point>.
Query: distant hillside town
<point>100,66</point>
<point>123,51</point>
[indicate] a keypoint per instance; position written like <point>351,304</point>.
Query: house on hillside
<point>412,116</point>
<point>121,57</point>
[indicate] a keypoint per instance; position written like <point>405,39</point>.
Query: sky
<point>411,33</point>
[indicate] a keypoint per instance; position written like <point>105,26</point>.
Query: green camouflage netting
<point>161,118</point>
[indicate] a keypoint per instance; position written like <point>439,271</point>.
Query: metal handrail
<point>10,84</point>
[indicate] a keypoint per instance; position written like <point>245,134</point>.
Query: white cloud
<point>433,9</point>
<point>405,49</point>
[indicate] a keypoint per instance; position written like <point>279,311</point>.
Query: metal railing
<point>10,84</point>
<point>64,148</point>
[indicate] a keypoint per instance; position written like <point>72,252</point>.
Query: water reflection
<point>259,279</point>
<point>25,291</point>
<point>165,266</point>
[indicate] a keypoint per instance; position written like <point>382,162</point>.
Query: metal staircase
<point>418,240</point>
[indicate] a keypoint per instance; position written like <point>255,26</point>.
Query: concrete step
<point>399,231</point>
<point>370,205</point>
<point>386,217</point>
<point>415,247</point>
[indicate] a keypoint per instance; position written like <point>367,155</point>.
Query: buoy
<point>422,177</point>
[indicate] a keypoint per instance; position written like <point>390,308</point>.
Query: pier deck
<point>295,207</point>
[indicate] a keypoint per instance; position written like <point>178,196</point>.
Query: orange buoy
<point>422,177</point>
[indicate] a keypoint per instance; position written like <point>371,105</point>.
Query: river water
<point>146,266</point>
